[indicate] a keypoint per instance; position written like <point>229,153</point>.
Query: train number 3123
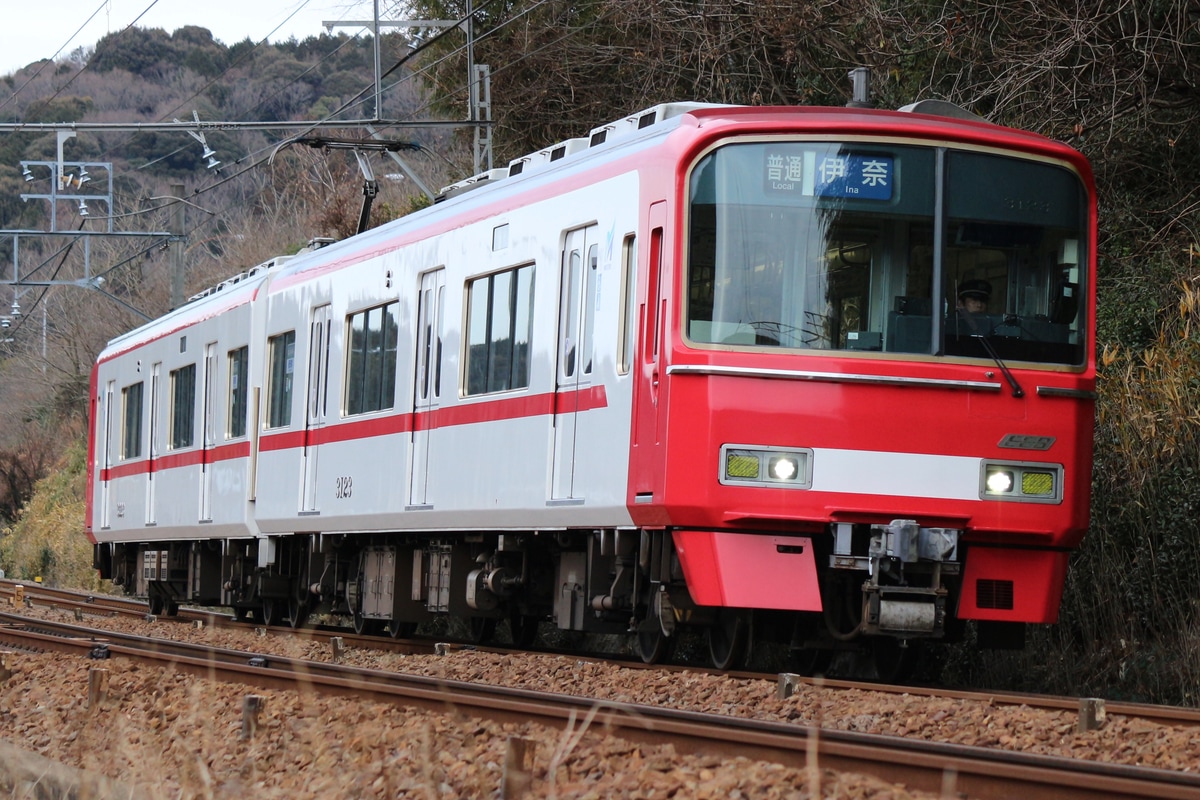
<point>344,487</point>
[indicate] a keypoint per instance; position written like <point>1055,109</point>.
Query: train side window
<point>131,421</point>
<point>572,275</point>
<point>437,352</point>
<point>282,354</point>
<point>183,406</point>
<point>155,414</point>
<point>591,286</point>
<point>654,293</point>
<point>104,443</point>
<point>371,357</point>
<point>239,362</point>
<point>426,336</point>
<point>499,322</point>
<point>208,436</point>
<point>628,283</point>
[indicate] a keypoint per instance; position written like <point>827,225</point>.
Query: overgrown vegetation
<point>1129,619</point>
<point>46,541</point>
<point>1120,81</point>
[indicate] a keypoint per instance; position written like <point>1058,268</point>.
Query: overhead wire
<point>208,85</point>
<point>229,67</point>
<point>49,61</point>
<point>86,66</point>
<point>64,251</point>
<point>213,81</point>
<point>254,164</point>
<point>70,246</point>
<point>458,50</point>
<point>328,118</point>
<point>270,97</point>
<point>348,103</point>
<point>331,115</point>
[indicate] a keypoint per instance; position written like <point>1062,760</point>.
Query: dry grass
<point>47,541</point>
<point>167,735</point>
<point>1129,619</point>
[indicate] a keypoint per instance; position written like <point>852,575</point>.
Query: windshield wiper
<point>1017,391</point>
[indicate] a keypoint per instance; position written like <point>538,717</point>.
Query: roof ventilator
<point>602,135</point>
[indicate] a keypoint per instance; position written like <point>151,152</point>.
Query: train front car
<point>870,417</point>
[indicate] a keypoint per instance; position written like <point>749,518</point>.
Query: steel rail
<point>94,604</point>
<point>1165,715</point>
<point>106,606</point>
<point>977,772</point>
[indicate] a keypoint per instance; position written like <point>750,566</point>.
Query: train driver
<point>973,297</point>
<point>970,313</point>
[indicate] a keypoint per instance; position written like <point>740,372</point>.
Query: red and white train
<point>703,367</point>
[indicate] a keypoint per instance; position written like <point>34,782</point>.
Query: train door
<point>427,383</point>
<point>317,401</point>
<point>106,454</point>
<point>649,398</point>
<point>152,446</point>
<point>207,430</point>
<point>576,319</point>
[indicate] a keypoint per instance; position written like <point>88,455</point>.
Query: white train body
<point>443,462</point>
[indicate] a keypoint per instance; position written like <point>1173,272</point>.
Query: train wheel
<point>398,629</point>
<point>156,604</point>
<point>727,637</point>
<point>297,613</point>
<point>654,642</point>
<point>482,629</point>
<point>361,624</point>
<point>523,629</point>
<point>651,644</point>
<point>270,612</point>
<point>241,614</point>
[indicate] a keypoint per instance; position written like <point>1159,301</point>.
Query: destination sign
<point>814,173</point>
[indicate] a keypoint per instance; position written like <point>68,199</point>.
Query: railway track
<point>105,605</point>
<point>83,605</point>
<point>924,765</point>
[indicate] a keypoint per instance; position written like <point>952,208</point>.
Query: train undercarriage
<point>885,590</point>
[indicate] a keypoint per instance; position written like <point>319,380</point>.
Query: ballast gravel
<point>163,734</point>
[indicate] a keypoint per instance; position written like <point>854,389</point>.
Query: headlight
<point>1026,482</point>
<point>743,465</point>
<point>999,481</point>
<point>783,468</point>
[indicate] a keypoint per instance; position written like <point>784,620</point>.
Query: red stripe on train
<point>586,399</point>
<point>212,455</point>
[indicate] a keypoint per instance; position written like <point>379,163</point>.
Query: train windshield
<point>857,246</point>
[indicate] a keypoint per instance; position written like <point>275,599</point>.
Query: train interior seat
<point>909,324</point>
